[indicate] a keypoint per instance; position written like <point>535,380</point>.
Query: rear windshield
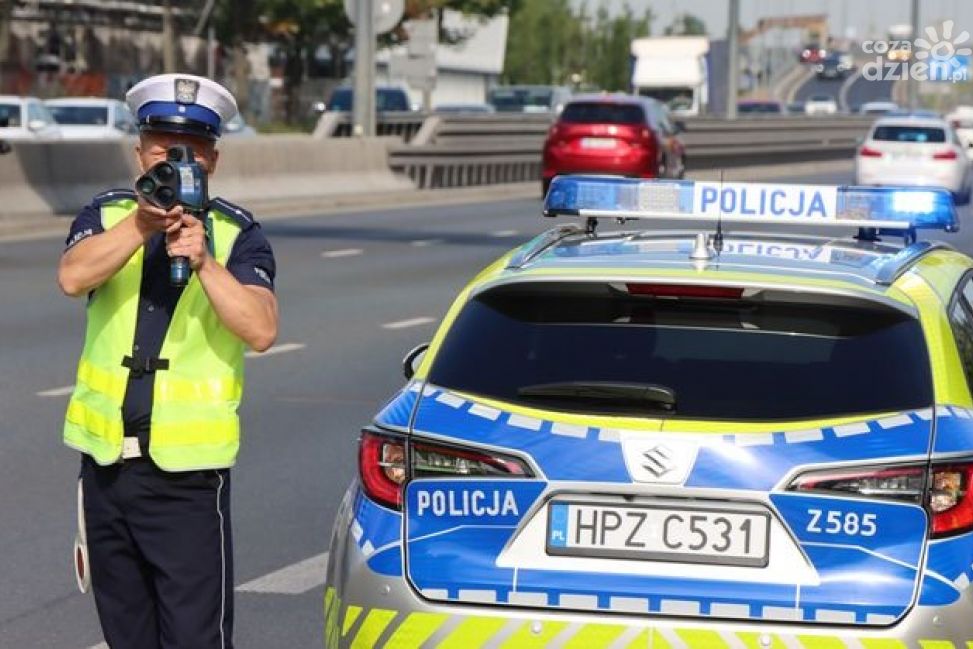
<point>723,359</point>
<point>386,99</point>
<point>9,115</point>
<point>909,134</point>
<point>519,99</point>
<point>602,113</point>
<point>80,115</point>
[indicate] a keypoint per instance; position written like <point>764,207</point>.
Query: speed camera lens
<point>164,172</point>
<point>166,197</point>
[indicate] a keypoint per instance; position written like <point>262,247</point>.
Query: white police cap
<point>181,103</point>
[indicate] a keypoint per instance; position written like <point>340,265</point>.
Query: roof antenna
<point>590,225</point>
<point>718,237</point>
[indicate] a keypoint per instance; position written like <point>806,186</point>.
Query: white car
<point>961,120</point>
<point>26,118</point>
<point>820,105</point>
<point>878,107</point>
<point>92,118</point>
<point>916,151</point>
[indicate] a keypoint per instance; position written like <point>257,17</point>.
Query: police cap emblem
<point>186,90</point>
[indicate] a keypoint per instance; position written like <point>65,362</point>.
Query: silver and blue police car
<point>699,437</point>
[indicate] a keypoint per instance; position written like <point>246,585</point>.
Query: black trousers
<point>161,555</point>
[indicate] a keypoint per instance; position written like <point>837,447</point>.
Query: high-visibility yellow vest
<point>194,422</point>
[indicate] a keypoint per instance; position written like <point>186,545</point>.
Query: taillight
<point>381,464</point>
<point>948,154</point>
<point>384,470</point>
<point>687,290</point>
<point>944,491</point>
<point>868,152</point>
<point>951,499</point>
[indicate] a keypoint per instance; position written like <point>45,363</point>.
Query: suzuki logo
<point>659,460</point>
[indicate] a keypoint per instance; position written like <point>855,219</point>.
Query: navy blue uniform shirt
<point>251,261</point>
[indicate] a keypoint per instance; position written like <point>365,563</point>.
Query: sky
<point>860,15</point>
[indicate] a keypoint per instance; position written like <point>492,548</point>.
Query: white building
<point>464,71</point>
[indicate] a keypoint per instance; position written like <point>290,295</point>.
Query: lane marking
<point>57,392</point>
<point>424,243</point>
<point>505,233</point>
<point>411,322</point>
<point>276,349</point>
<point>100,645</point>
<point>846,87</point>
<point>343,252</point>
<point>295,579</point>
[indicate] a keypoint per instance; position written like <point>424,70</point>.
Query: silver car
<point>92,118</point>
<point>26,119</point>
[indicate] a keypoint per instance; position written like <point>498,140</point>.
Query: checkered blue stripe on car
<point>574,452</point>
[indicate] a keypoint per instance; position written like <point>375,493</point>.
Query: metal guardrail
<point>484,149</point>
<point>404,125</point>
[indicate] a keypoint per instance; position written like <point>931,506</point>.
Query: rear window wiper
<point>659,397</point>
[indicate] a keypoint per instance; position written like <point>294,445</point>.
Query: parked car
<point>915,151</point>
<point>529,99</point>
<point>878,107</point>
<point>387,99</point>
<point>92,118</point>
<point>614,134</point>
<point>759,107</point>
<point>961,120</point>
<point>820,105</point>
<point>26,118</point>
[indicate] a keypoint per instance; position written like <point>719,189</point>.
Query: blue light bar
<point>884,208</point>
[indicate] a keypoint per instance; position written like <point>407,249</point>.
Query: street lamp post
<point>363,103</point>
<point>732,58</point>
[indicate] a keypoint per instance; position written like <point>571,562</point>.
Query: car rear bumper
<point>629,165</point>
<point>365,608</point>
<point>880,172</point>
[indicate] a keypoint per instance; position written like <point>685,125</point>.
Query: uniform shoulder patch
<point>240,215</point>
<point>114,195</point>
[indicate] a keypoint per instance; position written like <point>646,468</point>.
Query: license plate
<point>597,143</point>
<point>731,537</point>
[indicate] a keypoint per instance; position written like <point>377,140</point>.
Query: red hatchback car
<point>617,134</point>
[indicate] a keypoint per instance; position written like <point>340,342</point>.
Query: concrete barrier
<point>61,177</point>
<point>291,168</point>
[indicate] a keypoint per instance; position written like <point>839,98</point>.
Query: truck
<point>674,70</point>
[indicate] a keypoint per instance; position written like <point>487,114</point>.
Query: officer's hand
<point>189,241</point>
<point>150,219</point>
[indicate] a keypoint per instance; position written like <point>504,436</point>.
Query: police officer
<point>154,410</point>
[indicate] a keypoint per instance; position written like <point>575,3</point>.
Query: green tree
<point>611,46</point>
<point>550,43</point>
<point>686,24</point>
<point>544,43</point>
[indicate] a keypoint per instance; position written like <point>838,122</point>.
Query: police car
<point>692,438</point>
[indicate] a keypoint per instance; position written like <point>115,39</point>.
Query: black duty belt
<point>140,365</point>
